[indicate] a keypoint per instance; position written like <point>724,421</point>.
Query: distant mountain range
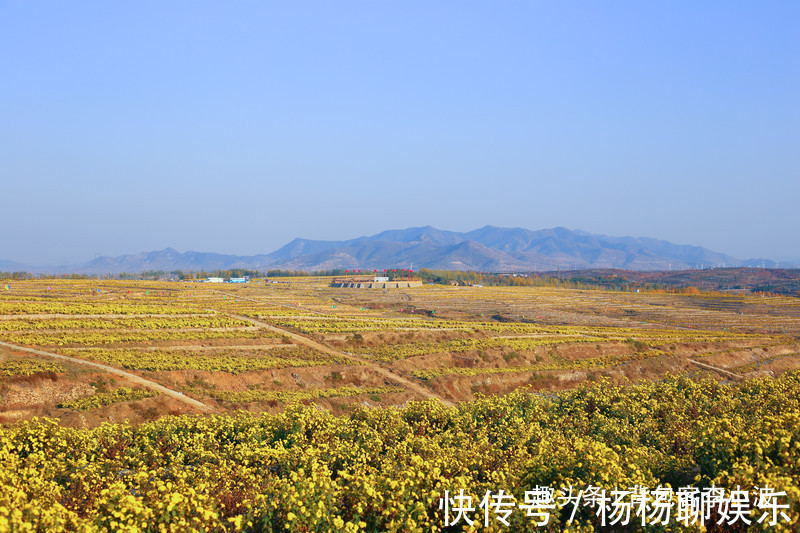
<point>489,249</point>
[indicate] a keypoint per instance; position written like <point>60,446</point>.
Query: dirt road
<point>127,375</point>
<point>385,372</point>
<point>717,369</point>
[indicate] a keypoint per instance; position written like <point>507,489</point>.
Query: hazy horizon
<point>791,263</point>
<point>132,127</point>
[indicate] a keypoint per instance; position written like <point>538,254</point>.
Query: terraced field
<point>88,352</point>
<point>265,345</point>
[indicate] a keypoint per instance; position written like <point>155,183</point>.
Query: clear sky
<point>234,127</point>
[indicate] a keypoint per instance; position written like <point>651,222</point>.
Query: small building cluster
<point>385,279</point>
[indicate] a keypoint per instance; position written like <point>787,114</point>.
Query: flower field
<point>122,394</point>
<point>28,367</point>
<point>430,334</point>
<point>595,362</point>
<point>388,469</point>
<point>552,391</point>
<point>188,322</point>
<point>297,396</point>
<point>97,338</point>
<point>224,360</point>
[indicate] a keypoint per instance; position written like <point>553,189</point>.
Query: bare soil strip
<point>105,368</point>
<point>385,372</point>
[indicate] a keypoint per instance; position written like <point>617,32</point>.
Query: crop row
<point>28,367</point>
<point>260,310</point>
<point>231,361</point>
<point>604,361</point>
<point>122,394</point>
<point>334,324</point>
<point>293,396</point>
<point>331,324</point>
<point>276,311</point>
<point>91,338</point>
<point>182,322</point>
<point>345,325</point>
<point>391,352</point>
<point>37,306</point>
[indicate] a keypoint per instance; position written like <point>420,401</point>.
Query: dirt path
<point>105,368</point>
<point>385,372</point>
<point>717,369</point>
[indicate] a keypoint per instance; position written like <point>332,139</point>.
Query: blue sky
<point>236,126</point>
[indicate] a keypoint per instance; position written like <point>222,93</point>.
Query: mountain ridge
<point>489,248</point>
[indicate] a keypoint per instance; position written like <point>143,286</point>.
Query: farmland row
<point>232,361</point>
<point>98,338</point>
<point>172,322</point>
<point>37,306</point>
<point>100,399</point>
<point>392,469</point>
<point>392,352</point>
<point>28,367</point>
<point>294,396</point>
<point>606,361</point>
